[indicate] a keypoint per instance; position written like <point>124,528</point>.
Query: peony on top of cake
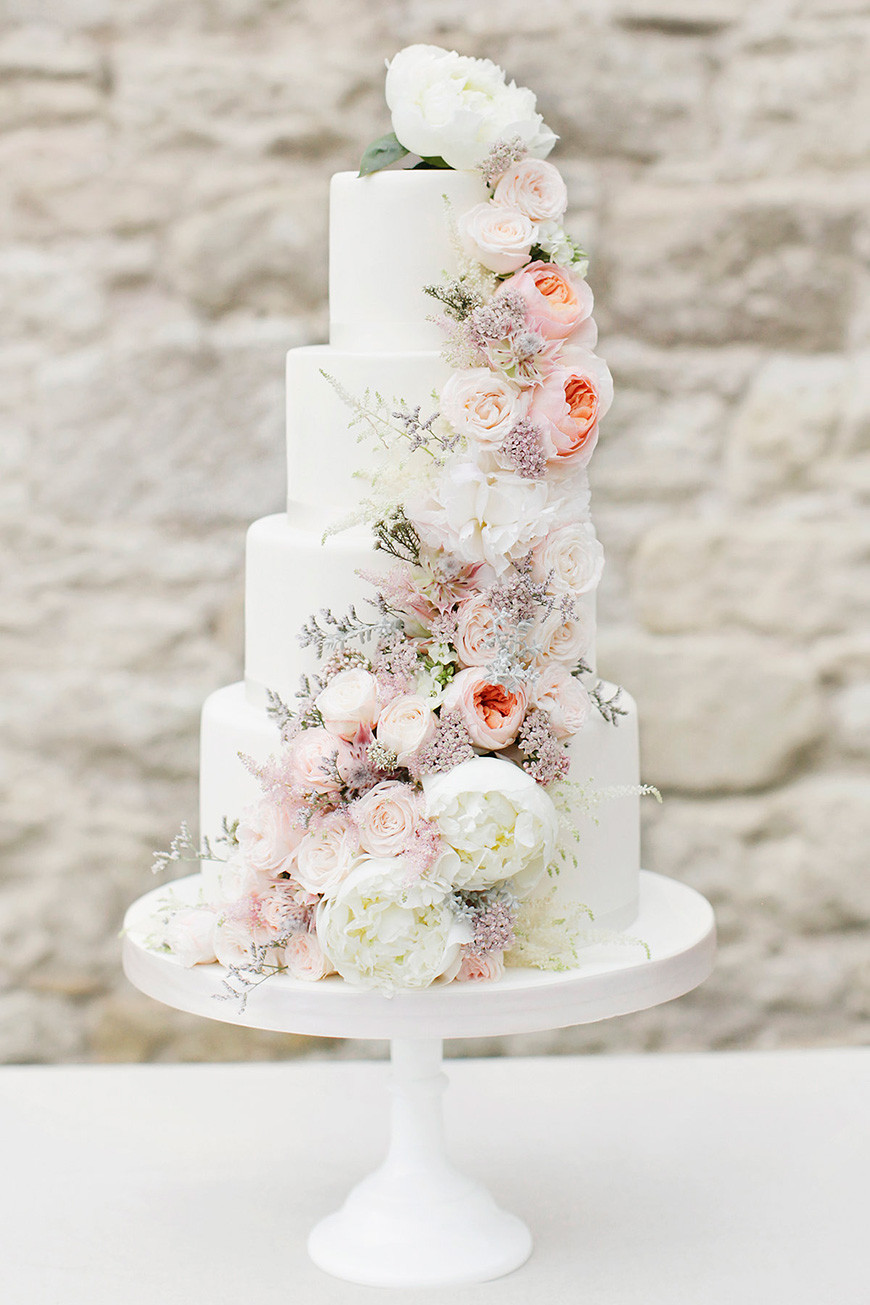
<point>451,110</point>
<point>419,798</point>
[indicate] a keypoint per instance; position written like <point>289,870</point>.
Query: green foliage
<point>380,154</point>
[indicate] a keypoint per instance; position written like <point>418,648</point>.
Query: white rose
<point>324,858</point>
<point>570,558</point>
<point>500,238</point>
<point>189,935</point>
<point>501,824</point>
<point>561,695</point>
<point>447,105</point>
<point>349,702</point>
<point>535,188</point>
<point>378,934</point>
<point>303,956</point>
<point>482,405</point>
<point>405,725</point>
<point>482,516</point>
<point>269,833</point>
<point>386,818</point>
<point>560,640</point>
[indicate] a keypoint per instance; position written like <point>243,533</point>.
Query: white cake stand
<point>416,1221</point>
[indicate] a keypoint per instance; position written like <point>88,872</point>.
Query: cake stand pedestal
<point>416,1221</point>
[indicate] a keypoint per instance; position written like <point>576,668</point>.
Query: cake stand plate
<point>416,1221</point>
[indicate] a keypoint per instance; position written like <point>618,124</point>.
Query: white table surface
<point>727,1179</point>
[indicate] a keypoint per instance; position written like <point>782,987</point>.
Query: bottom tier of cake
<point>604,764</point>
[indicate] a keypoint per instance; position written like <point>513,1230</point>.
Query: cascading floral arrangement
<point>409,815</point>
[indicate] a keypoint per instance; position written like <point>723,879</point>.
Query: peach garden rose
<point>568,406</point>
<point>386,818</point>
<point>558,301</point>
<point>491,713</point>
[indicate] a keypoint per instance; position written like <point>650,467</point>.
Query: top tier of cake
<point>389,236</point>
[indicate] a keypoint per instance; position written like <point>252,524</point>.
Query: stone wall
<point>162,243</point>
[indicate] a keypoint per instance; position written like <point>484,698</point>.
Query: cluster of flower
<point>390,845</point>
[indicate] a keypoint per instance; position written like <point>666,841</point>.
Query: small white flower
<point>450,106</point>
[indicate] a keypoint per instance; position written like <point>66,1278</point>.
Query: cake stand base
<point>416,1221</point>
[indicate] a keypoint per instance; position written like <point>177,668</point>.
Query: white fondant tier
<point>291,573</point>
<point>323,452</point>
<point>602,756</point>
<point>388,238</point>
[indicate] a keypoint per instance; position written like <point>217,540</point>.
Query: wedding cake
<point>421,777</point>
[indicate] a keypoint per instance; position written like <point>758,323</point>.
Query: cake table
<point>416,1221</point>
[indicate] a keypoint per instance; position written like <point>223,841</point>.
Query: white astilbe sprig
<point>392,421</point>
<point>573,799</point>
<point>548,935</point>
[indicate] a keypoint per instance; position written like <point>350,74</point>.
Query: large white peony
<point>450,106</point>
<point>498,820</point>
<point>384,930</point>
<point>482,516</point>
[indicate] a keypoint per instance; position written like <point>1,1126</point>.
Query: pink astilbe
<point>450,746</point>
<point>424,849</point>
<point>546,759</point>
<point>524,450</point>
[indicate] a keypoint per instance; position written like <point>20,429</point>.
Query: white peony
<point>501,824</point>
<point>380,931</point>
<point>484,516</point>
<point>482,405</point>
<point>450,106</point>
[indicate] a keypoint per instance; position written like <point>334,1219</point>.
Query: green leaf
<point>432,163</point>
<point>381,153</point>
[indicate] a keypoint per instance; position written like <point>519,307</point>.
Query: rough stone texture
<point>162,243</point>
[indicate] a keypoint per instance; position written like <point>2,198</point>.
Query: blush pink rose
<point>305,958</point>
<point>325,857</point>
<point>268,835</point>
<point>561,695</point>
<point>491,713</point>
<point>570,559</point>
<point>485,968</point>
<point>561,640</point>
<point>535,188</point>
<point>349,703</point>
<point>558,301</point>
<point>405,725</point>
<point>475,631</point>
<point>313,758</point>
<point>567,407</point>
<point>482,405</point>
<point>498,237</point>
<point>387,817</point>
